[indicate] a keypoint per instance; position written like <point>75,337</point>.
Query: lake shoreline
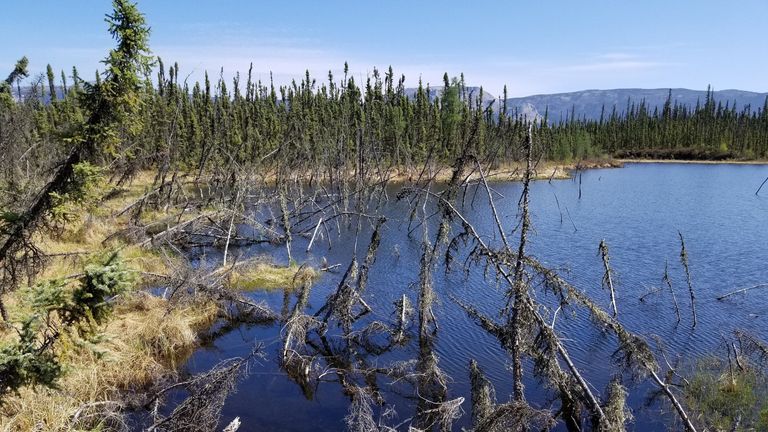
<point>558,170</point>
<point>510,171</point>
<point>690,161</point>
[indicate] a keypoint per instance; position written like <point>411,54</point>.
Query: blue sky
<point>533,47</point>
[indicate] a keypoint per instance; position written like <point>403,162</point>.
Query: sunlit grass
<point>144,343</point>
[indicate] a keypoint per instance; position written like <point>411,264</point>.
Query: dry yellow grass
<point>146,339</point>
<point>91,231</point>
<point>143,344</point>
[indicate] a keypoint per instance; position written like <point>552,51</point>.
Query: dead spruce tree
<point>488,416</point>
<point>503,261</point>
<point>201,410</point>
<point>518,293</point>
<point>684,261</point>
<point>668,282</point>
<point>608,275</point>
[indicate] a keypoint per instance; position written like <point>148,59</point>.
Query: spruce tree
<point>64,84</point>
<point>19,72</point>
<point>51,82</point>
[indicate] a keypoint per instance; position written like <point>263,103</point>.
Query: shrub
<point>72,306</point>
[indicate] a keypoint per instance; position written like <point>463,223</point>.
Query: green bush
<point>59,306</point>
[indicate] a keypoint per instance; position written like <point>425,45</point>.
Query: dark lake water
<point>638,210</point>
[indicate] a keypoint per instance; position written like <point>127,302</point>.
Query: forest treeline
<point>709,131</point>
<point>344,124</point>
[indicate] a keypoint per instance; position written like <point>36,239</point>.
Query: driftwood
<point>231,227</point>
<point>312,240</point>
<point>328,268</point>
<point>233,426</point>
<point>557,202</point>
<point>751,345</point>
<point>141,200</point>
<point>649,293</point>
<point>176,228</point>
<point>568,212</point>
<point>403,310</point>
<point>99,414</point>
<point>742,290</point>
<point>493,206</point>
<point>761,186</point>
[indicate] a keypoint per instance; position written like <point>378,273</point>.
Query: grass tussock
<point>257,274</point>
<point>728,397</point>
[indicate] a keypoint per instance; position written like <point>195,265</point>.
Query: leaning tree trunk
<point>32,217</point>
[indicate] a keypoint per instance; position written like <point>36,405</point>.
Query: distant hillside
<point>527,110</point>
<point>26,92</point>
<point>589,103</point>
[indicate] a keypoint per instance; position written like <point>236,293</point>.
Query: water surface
<point>638,210</point>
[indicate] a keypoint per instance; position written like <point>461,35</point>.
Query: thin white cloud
<point>611,66</point>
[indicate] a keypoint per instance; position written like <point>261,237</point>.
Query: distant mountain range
<point>589,103</point>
